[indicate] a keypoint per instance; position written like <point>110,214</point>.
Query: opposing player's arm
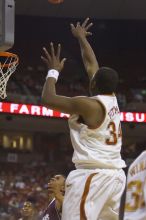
<point>88,55</point>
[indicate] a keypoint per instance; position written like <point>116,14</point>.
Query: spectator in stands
<point>28,211</point>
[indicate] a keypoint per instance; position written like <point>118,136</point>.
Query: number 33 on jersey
<point>135,205</point>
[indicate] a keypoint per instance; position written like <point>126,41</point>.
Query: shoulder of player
<point>87,103</point>
<point>83,99</point>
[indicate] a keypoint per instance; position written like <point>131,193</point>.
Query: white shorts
<point>93,194</point>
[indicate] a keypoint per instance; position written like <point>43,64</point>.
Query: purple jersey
<point>51,212</point>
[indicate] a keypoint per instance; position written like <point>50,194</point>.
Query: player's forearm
<point>88,56</point>
<point>49,91</point>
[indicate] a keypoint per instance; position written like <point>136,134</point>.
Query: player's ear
<point>63,188</point>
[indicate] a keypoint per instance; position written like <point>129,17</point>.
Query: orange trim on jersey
<point>84,196</point>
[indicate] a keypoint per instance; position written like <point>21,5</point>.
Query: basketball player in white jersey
<point>94,189</point>
<point>135,205</point>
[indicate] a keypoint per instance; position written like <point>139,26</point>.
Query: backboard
<point>7,23</point>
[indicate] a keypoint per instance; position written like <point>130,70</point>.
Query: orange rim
<point>8,54</point>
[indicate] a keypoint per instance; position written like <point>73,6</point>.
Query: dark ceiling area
<point>98,9</point>
<point>120,44</point>
<point>119,34</point>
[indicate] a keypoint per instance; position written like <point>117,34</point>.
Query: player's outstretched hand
<point>81,30</point>
<point>52,59</point>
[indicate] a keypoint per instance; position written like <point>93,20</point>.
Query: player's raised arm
<point>81,32</point>
<point>54,65</point>
<point>71,105</point>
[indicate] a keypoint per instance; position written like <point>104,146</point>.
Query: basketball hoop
<point>8,64</point>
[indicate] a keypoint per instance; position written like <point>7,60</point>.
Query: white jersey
<point>135,206</point>
<point>99,147</point>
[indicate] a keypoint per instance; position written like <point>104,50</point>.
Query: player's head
<point>105,81</point>
<point>58,180</point>
<point>27,209</point>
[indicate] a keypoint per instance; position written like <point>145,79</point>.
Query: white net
<point>6,70</point>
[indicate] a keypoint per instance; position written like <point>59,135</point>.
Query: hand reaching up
<point>52,59</point>
<point>81,30</point>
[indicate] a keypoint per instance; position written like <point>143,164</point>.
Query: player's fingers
<point>63,61</point>
<point>85,22</point>
<point>72,26</point>
<point>58,51</point>
<point>52,49</point>
<point>88,26</point>
<point>88,33</point>
<point>44,60</point>
<point>78,24</point>
<point>46,53</point>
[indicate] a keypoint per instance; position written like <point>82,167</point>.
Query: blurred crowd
<point>23,183</point>
<point>29,182</point>
<point>26,87</point>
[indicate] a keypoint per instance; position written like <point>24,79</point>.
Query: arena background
<point>33,148</point>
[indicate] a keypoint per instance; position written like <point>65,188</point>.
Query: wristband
<point>53,73</point>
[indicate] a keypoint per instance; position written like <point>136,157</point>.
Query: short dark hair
<point>105,81</point>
